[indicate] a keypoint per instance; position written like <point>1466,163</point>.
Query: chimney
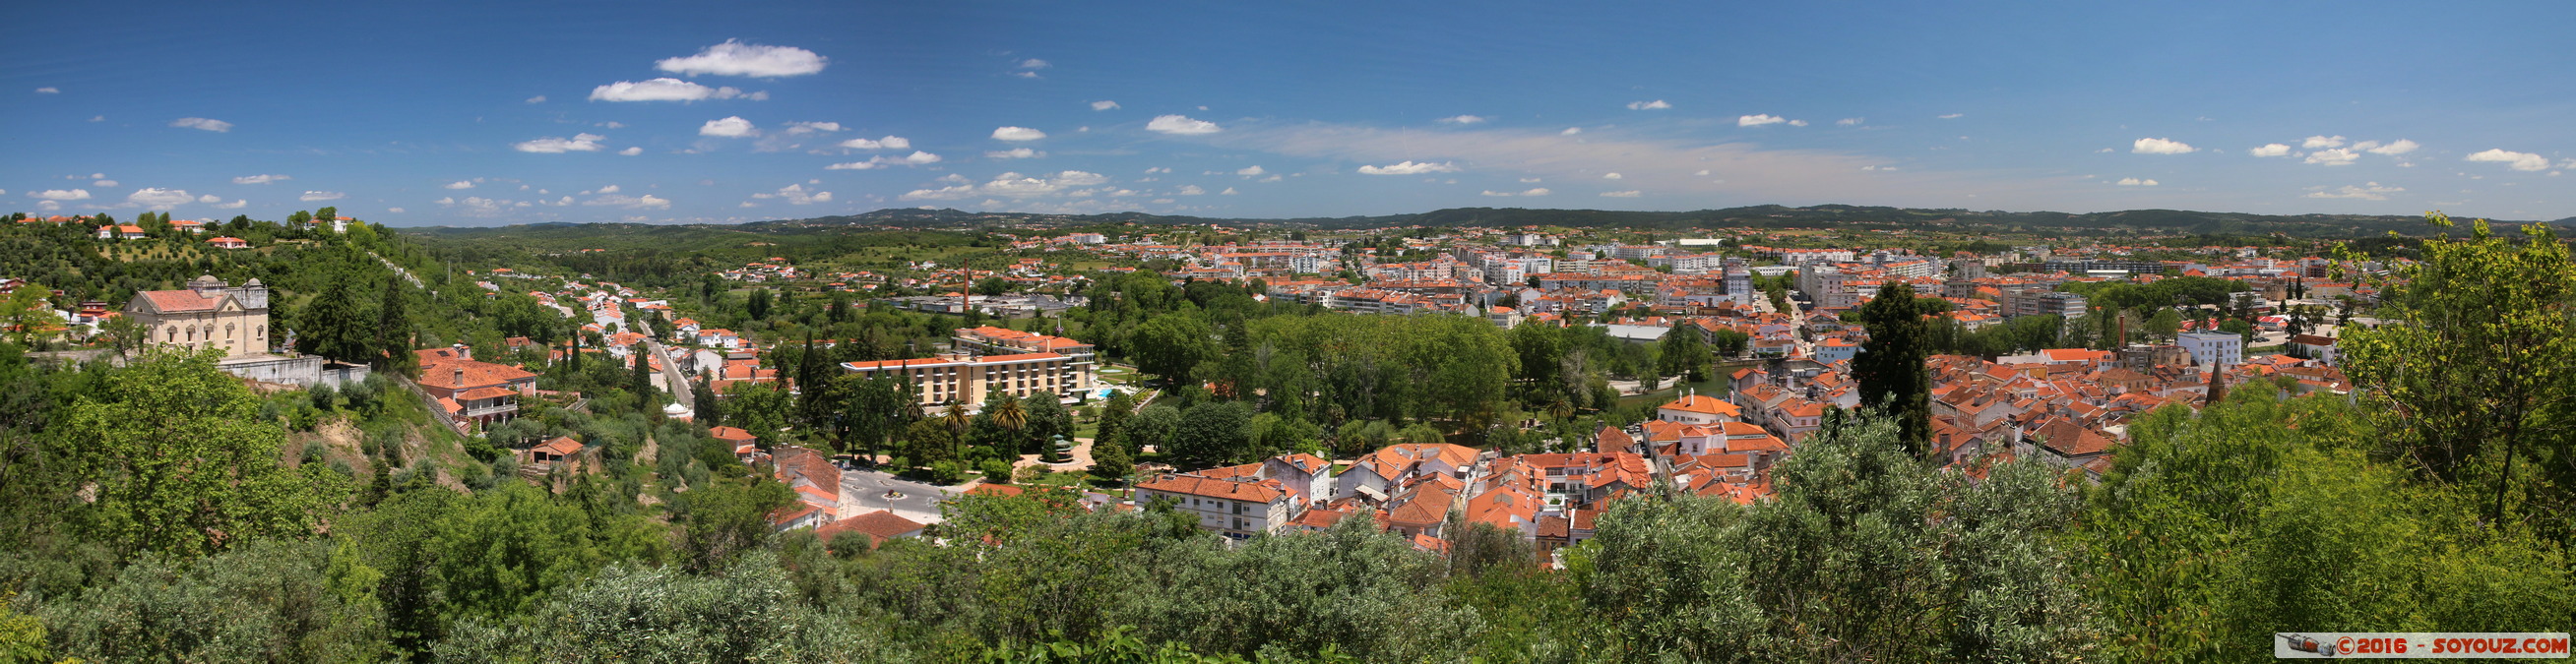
<point>460,376</point>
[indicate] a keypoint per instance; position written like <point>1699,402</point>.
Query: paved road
<point>673,381</point>
<point>406,274</point>
<point>866,489</point>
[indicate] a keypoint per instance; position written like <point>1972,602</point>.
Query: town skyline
<point>664,115</point>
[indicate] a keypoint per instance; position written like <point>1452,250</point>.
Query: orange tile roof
<point>1260,492</point>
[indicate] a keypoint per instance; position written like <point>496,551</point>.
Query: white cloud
<point>235,205</point>
<point>644,202</point>
<point>1632,193</point>
<point>1017,134</point>
<point>732,126</point>
<point>1490,192</point>
<point>1570,131</point>
<point>915,159</point>
<point>1014,153</point>
<point>394,210</point>
<point>103,183</point>
<point>259,179</point>
<point>1254,169</point>
<point>610,189</point>
<point>795,128</point>
<point>1409,167</point>
<point>98,118</point>
<point>1181,124</point>
<point>210,198</point>
<point>1758,120</point>
<point>852,166</point>
<point>1015,185</point>
<point>2520,161</point>
<point>553,145</point>
<point>1462,119</point>
<point>1849,122</point>
<point>49,205</point>
<point>2397,147</point>
<point>887,143</point>
<point>2334,157</point>
<point>1949,116</point>
<point>154,197</point>
<point>2160,146</point>
<point>1191,190</point>
<point>310,196</point>
<point>1103,105</point>
<point>632,151</point>
<point>1655,105</point>
<point>918,157</point>
<point>2372,191</point>
<point>61,194</point>
<point>1034,63</point>
<point>664,89</point>
<point>797,194</point>
<point>2320,142</point>
<point>49,90</point>
<point>2134,182</point>
<point>1536,191</point>
<point>2270,150</point>
<point>1229,191</point>
<point>734,58</point>
<point>1611,176</point>
<point>202,123</point>
<point>1157,169</point>
<point>539,99</point>
<point>1797,123</point>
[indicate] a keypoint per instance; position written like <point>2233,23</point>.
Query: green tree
<point>1212,433</point>
<point>2477,375</point>
<point>336,324</point>
<point>748,612</point>
<point>1890,365</point>
<point>1171,346</point>
<point>723,518</point>
<point>181,464</point>
<point>28,316</point>
<point>1153,426</point>
<point>1684,354</point>
<point>394,325</point>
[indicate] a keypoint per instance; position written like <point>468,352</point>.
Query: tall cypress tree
<point>393,325</point>
<point>336,324</point>
<point>644,381</point>
<point>1890,365</point>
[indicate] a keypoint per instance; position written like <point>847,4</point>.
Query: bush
<point>947,472</point>
<point>995,470</point>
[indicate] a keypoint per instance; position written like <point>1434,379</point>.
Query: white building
<point>1238,508</point>
<point>2213,349</point>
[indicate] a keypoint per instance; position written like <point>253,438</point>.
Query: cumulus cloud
<point>1536,191</point>
<point>915,159</point>
<point>2371,191</point>
<point>1017,134</point>
<point>801,128</point>
<point>553,145</point>
<point>918,157</point>
<point>2397,147</point>
<point>1181,124</point>
<point>259,179</point>
<point>1949,116</point>
<point>459,184</point>
<point>1229,191</point>
<point>210,198</point>
<point>1462,119</point>
<point>1797,123</point>
<point>1655,105</point>
<point>1490,192</point>
<point>852,166</point>
<point>1014,153</point>
<point>2334,157</point>
<point>2134,182</point>
<point>1191,190</point>
<point>1632,193</point>
<point>632,151</point>
<point>2270,150</point>
<point>2160,146</point>
<point>1254,169</point>
<point>1410,167</point>
<point>1611,176</point>
<point>664,89</point>
<point>49,90</point>
<point>644,202</point>
<point>1758,120</point>
<point>61,194</point>
<point>1849,122</point>
<point>2321,142</point>
<point>729,127</point>
<point>887,143</point>
<point>310,196</point>
<point>1015,185</point>
<point>1570,131</point>
<point>734,58</point>
<point>2520,161</point>
<point>207,124</point>
<point>154,197</point>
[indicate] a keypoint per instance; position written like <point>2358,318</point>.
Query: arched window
<point>170,334</point>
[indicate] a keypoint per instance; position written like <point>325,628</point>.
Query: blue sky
<point>466,114</point>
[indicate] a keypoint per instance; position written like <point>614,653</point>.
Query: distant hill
<point>1759,216</point>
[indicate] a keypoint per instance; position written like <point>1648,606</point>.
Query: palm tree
<point>955,419</point>
<point>1012,418</point>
